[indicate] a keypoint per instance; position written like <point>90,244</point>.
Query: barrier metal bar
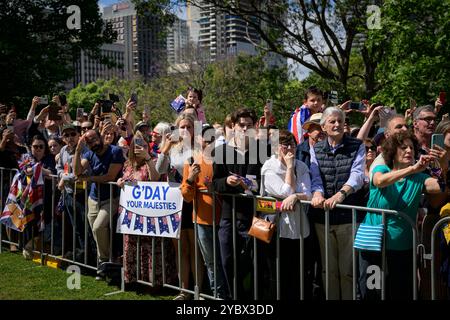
<point>233,216</point>
<point>255,259</point>
<point>327,234</point>
<point>214,244</point>
<point>86,222</point>
<point>1,209</point>
<point>196,287</point>
<point>278,263</point>
<point>383,259</point>
<point>74,222</point>
<point>53,218</point>
<point>110,221</point>
<point>302,253</point>
<point>354,254</point>
<point>433,255</point>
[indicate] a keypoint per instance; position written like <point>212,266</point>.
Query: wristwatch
<point>344,193</point>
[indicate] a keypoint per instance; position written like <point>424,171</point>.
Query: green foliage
<point>37,49</point>
<point>416,38</point>
<point>226,85</point>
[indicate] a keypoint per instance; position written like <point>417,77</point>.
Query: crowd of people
<point>390,162</point>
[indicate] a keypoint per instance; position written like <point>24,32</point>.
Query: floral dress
<point>146,259</point>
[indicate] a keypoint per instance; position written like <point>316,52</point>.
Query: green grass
<point>24,280</point>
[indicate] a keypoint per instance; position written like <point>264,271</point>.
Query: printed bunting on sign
<point>150,209</point>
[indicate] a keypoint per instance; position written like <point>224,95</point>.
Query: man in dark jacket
<point>236,164</point>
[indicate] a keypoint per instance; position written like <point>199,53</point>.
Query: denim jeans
<point>205,240</point>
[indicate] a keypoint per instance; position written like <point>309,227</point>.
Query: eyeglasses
<point>428,120</point>
<point>72,134</point>
<point>85,128</point>
<point>38,146</point>
<point>154,133</point>
<point>371,148</point>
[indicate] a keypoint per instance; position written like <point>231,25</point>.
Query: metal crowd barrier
<point>196,291</point>
<point>436,228</point>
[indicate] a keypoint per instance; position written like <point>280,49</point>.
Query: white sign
<point>150,209</point>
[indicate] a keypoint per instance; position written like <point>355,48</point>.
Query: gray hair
<point>331,111</point>
<point>427,108</point>
<point>162,128</point>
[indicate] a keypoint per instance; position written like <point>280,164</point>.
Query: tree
<point>227,85</point>
<point>416,38</point>
<point>37,49</point>
<point>320,35</point>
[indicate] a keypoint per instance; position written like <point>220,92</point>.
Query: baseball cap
<point>68,126</point>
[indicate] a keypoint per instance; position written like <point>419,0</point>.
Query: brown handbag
<point>262,229</point>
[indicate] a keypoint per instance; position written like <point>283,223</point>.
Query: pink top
<point>201,114</point>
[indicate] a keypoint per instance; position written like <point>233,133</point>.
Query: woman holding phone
<point>140,167</point>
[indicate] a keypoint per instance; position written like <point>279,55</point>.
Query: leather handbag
<point>262,229</point>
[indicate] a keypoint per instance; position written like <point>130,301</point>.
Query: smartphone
<point>134,97</point>
<point>437,139</point>
<point>53,113</point>
<point>80,113</point>
<point>269,103</point>
<point>355,105</point>
<point>106,106</point>
<point>442,97</point>
<point>43,100</point>
<point>62,100</point>
<point>113,97</point>
<point>191,161</point>
<point>139,142</point>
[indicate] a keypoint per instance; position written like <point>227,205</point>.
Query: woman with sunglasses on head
<point>175,152</point>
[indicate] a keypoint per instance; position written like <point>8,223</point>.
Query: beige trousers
<point>99,218</point>
<point>339,260</point>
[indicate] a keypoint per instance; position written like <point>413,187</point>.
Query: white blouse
<point>273,175</point>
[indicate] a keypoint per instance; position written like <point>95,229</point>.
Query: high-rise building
<point>177,42</point>
<point>145,47</point>
<point>88,69</point>
<point>222,35</point>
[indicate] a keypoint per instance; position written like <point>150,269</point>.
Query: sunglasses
<point>372,148</point>
<point>72,134</point>
<point>38,146</point>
